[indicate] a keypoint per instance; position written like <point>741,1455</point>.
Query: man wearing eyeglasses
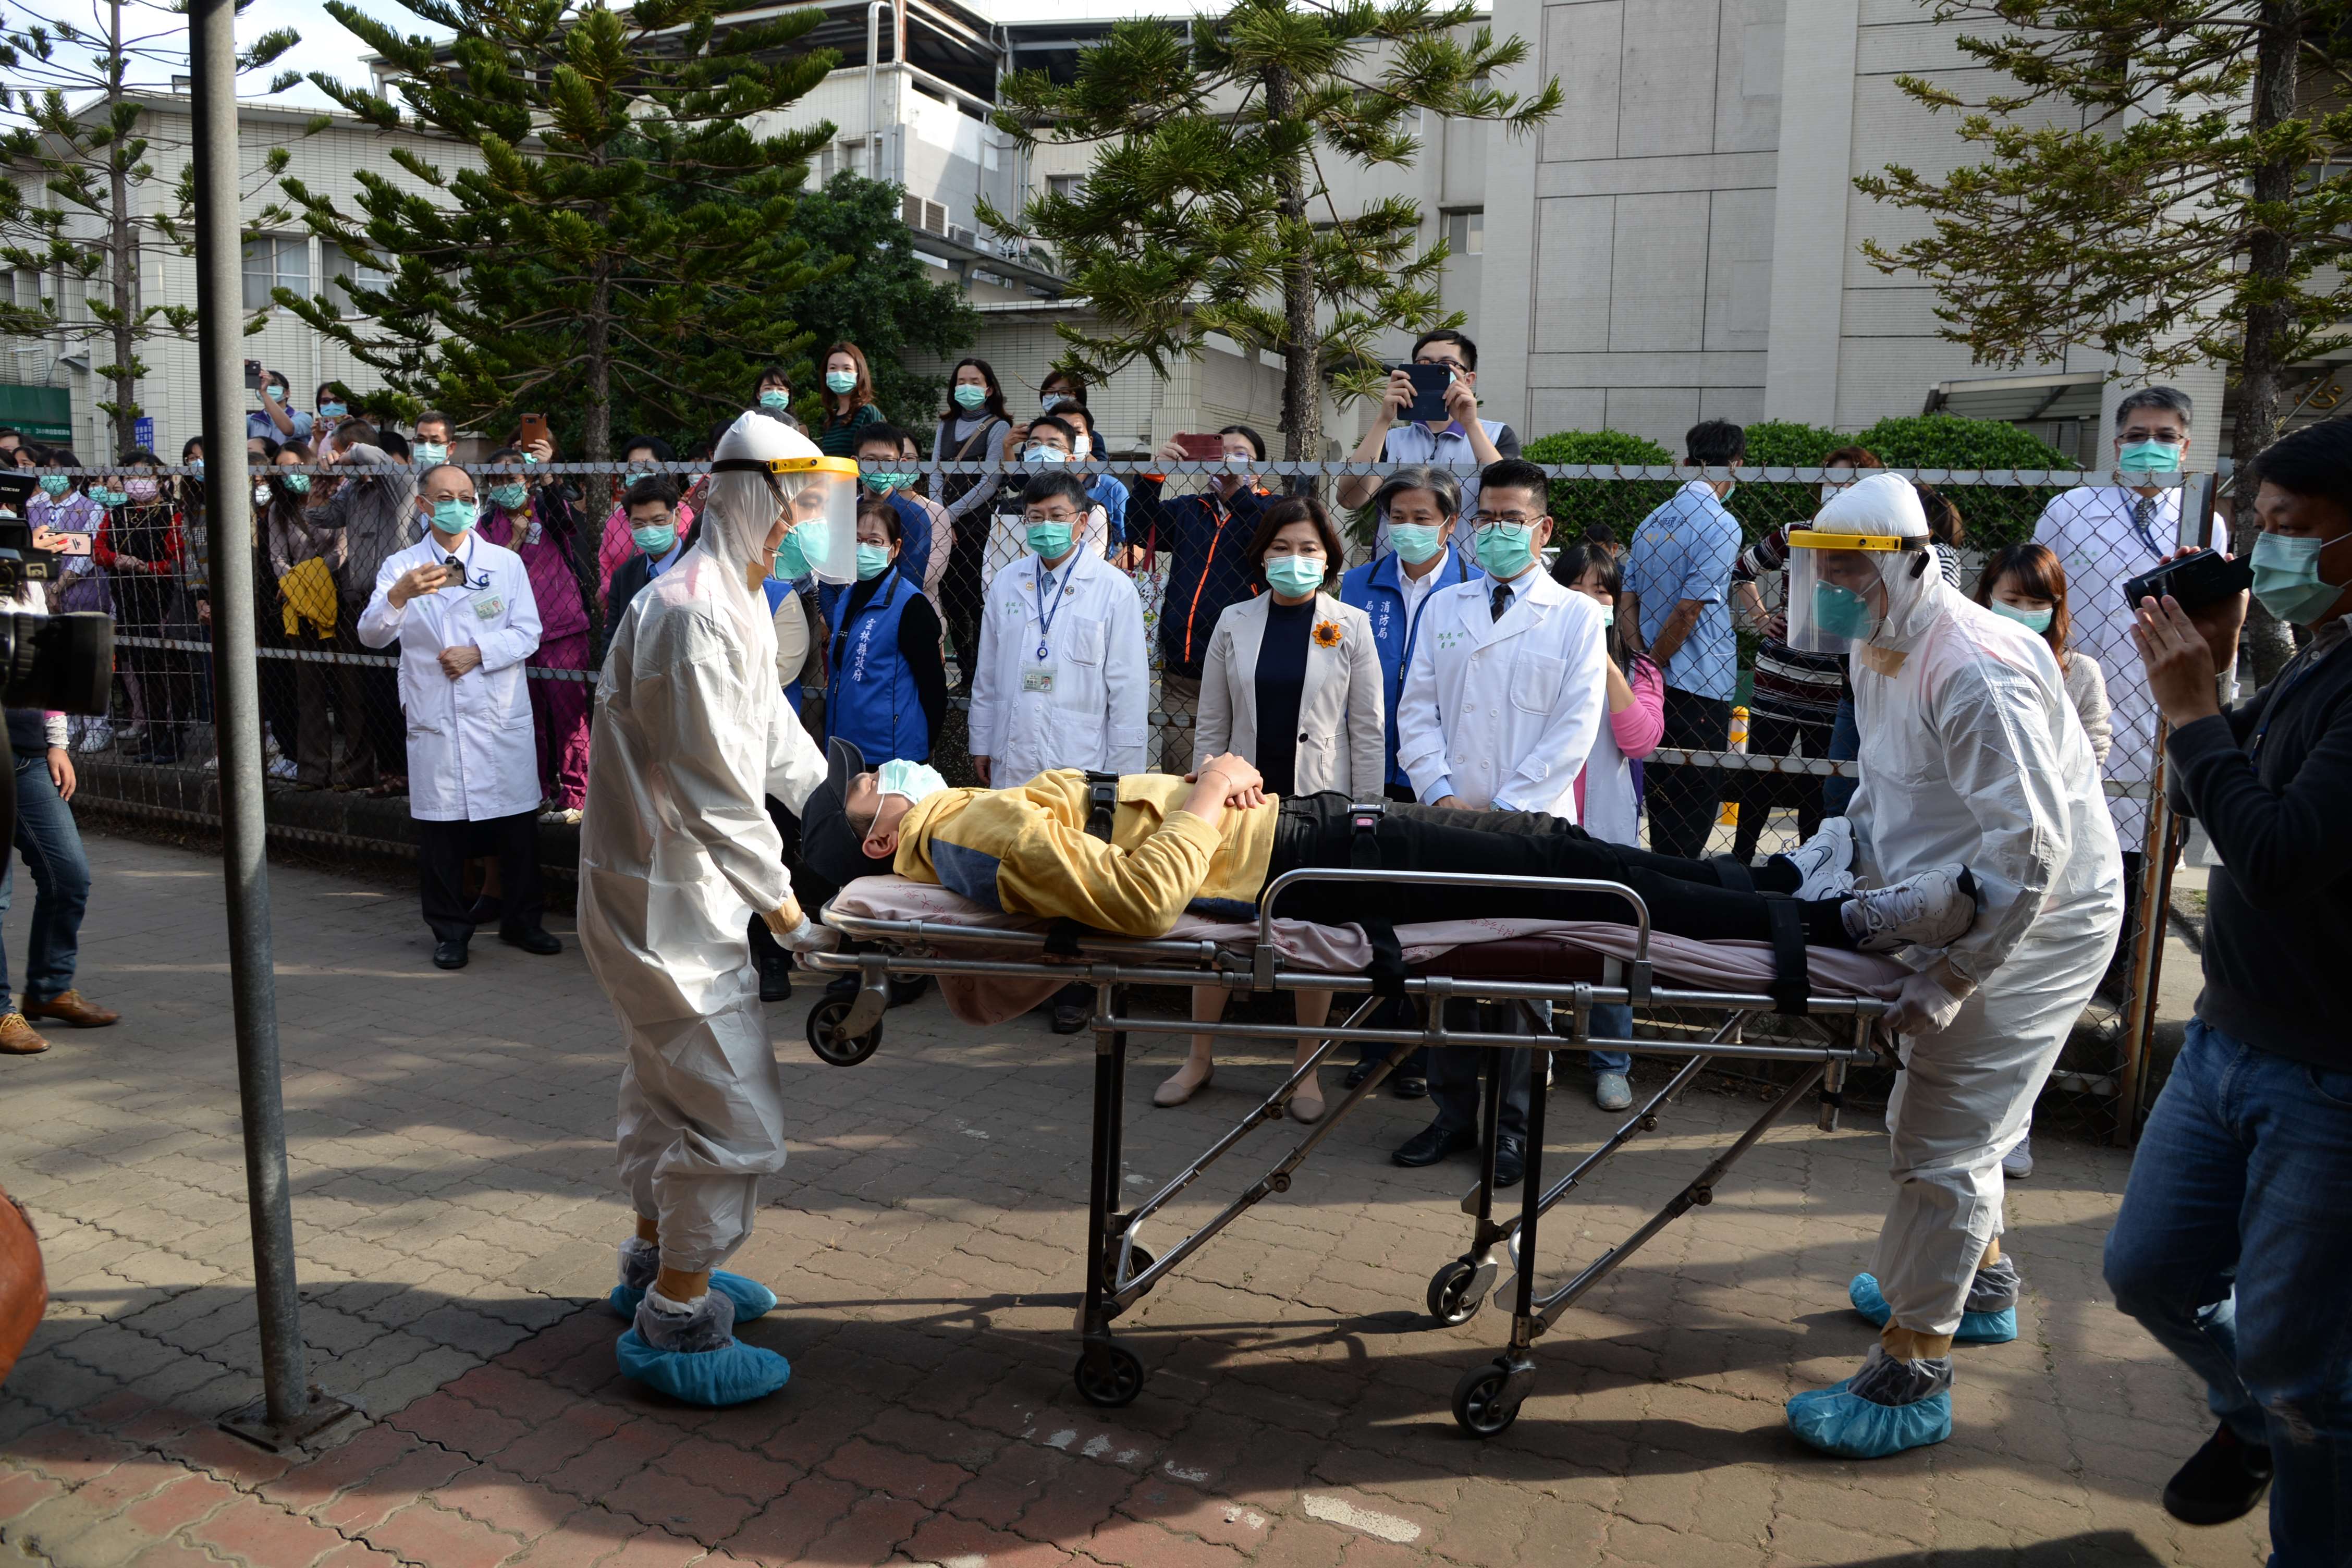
<point>1507,688</point>
<point>1450,443</point>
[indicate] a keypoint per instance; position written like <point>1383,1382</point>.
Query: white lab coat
<point>2092,533</point>
<point>471,756</point>
<point>1504,713</point>
<point>1093,716</point>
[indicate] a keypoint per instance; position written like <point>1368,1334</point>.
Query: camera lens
<point>61,663</point>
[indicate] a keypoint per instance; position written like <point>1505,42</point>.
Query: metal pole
<point>289,1408</point>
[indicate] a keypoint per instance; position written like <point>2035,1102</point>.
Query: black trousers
<point>1770,735</point>
<point>1682,801</point>
<point>810,889</point>
<point>1685,897</point>
<point>444,847</point>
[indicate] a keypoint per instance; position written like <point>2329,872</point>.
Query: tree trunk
<point>1302,347</point>
<point>2269,258</point>
<point>123,249</point>
<point>596,419</point>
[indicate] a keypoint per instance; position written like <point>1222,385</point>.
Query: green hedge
<point>1620,503</point>
<point>1994,515</point>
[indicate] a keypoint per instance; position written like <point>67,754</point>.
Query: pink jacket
<point>1639,727</point>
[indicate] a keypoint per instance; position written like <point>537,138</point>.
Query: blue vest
<point>871,699</point>
<point>914,539</point>
<point>1373,588</point>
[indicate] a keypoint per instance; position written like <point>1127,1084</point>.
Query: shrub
<point>1577,504</point>
<point>1995,515</point>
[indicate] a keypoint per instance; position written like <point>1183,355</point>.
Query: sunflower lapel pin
<point>1326,634</point>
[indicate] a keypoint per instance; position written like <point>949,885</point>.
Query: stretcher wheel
<point>1109,1376</point>
<point>824,1018</point>
<point>1457,1289</point>
<point>1137,1260</point>
<point>1477,1401</point>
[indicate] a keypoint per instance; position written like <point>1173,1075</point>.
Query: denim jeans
<point>51,845</point>
<point>1845,745</point>
<point>2232,1248</point>
<point>1614,1020</point>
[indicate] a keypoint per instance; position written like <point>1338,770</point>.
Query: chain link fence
<point>1753,753</point>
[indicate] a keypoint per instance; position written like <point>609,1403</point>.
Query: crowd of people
<point>1508,688</point>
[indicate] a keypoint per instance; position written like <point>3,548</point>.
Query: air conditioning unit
<point>929,216</point>
<point>960,235</point>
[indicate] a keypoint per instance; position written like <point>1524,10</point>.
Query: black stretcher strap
<point>1102,804</point>
<point>1733,873</point>
<point>1387,969</point>
<point>1792,977</point>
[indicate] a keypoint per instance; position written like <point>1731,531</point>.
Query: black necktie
<point>1502,601</point>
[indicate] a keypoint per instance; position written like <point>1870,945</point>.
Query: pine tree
<point>81,137</point>
<point>2166,179</point>
<point>1209,207</point>
<point>626,237</point>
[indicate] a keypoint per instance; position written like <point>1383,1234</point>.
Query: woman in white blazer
<point>1292,681</point>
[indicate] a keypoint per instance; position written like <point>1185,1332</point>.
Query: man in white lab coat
<point>462,611</point>
<point>1507,688</point>
<point>1061,679</point>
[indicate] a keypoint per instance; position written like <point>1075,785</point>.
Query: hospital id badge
<point>488,609</point>
<point>1038,680</point>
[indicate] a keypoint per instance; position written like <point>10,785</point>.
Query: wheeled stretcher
<point>908,930</point>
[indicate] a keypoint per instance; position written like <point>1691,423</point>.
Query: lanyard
<point>1045,618</point>
<point>2131,515</point>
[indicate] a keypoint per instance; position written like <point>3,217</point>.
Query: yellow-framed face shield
<point>822,505</point>
<point>1837,585</point>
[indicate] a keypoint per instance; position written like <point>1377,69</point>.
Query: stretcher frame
<point>1120,1272</point>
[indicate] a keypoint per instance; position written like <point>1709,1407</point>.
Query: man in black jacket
<point>2235,1239</point>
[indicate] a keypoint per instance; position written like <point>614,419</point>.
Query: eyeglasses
<point>1508,518</point>
<point>1050,517</point>
<point>1450,364</point>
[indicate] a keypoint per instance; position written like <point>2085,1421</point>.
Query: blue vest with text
<point>872,699</point>
<point>1373,588</point>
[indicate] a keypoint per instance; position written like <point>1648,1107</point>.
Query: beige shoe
<point>72,1008</point>
<point>17,1038</point>
<point>1184,1083</point>
<point>1306,1105</point>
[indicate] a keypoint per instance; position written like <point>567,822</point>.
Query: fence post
<point>289,1409</point>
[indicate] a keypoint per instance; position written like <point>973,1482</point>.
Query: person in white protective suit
<point>1971,752</point>
<point>677,855</point>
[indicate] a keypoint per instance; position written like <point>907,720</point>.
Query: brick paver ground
<point>456,1214</point>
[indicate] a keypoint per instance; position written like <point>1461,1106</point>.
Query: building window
<point>1465,232</point>
<point>1069,186</point>
<point>341,270</point>
<point>275,261</point>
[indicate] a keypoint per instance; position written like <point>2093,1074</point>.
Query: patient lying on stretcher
<point>1211,844</point>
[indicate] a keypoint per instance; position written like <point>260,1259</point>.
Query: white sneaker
<point>1934,909</point>
<point>283,768</point>
<point>2018,1163</point>
<point>96,737</point>
<point>1825,861</point>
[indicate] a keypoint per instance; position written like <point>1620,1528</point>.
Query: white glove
<point>797,932</point>
<point>1926,1004</point>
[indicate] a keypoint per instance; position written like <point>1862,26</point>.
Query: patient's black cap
<point>833,848</point>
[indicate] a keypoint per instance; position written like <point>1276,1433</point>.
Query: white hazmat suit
<point>678,852</point>
<point>1971,752</point>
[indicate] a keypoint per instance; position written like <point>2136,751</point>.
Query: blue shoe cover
<point>1837,1422</point>
<point>752,1298</point>
<point>732,1374</point>
<point>1976,1327</point>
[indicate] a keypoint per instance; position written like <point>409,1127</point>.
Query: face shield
<point>820,502</point>
<point>1838,586</point>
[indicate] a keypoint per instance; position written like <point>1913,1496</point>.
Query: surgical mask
<point>969,396</point>
<point>1843,612</point>
<point>110,498</point>
<point>2150,457</point>
<point>56,485</point>
<point>655,540</point>
<point>331,411</point>
<point>882,484</point>
<point>788,566</point>
<point>1415,541</point>
<point>1044,455</point>
<point>775,402</point>
<point>873,560</point>
<point>2287,580</point>
<point>510,497</point>
<point>274,393</point>
<point>841,381</point>
<point>1294,574</point>
<point>1051,401</point>
<point>2031,620</point>
<point>196,467</point>
<point>453,515</point>
<point>1506,550</point>
<point>429,454</point>
<point>299,483</point>
<point>913,780</point>
<point>1051,540</point>
<point>1607,616</point>
<point>261,494</point>
<point>141,490</point>
<point>816,539</point>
